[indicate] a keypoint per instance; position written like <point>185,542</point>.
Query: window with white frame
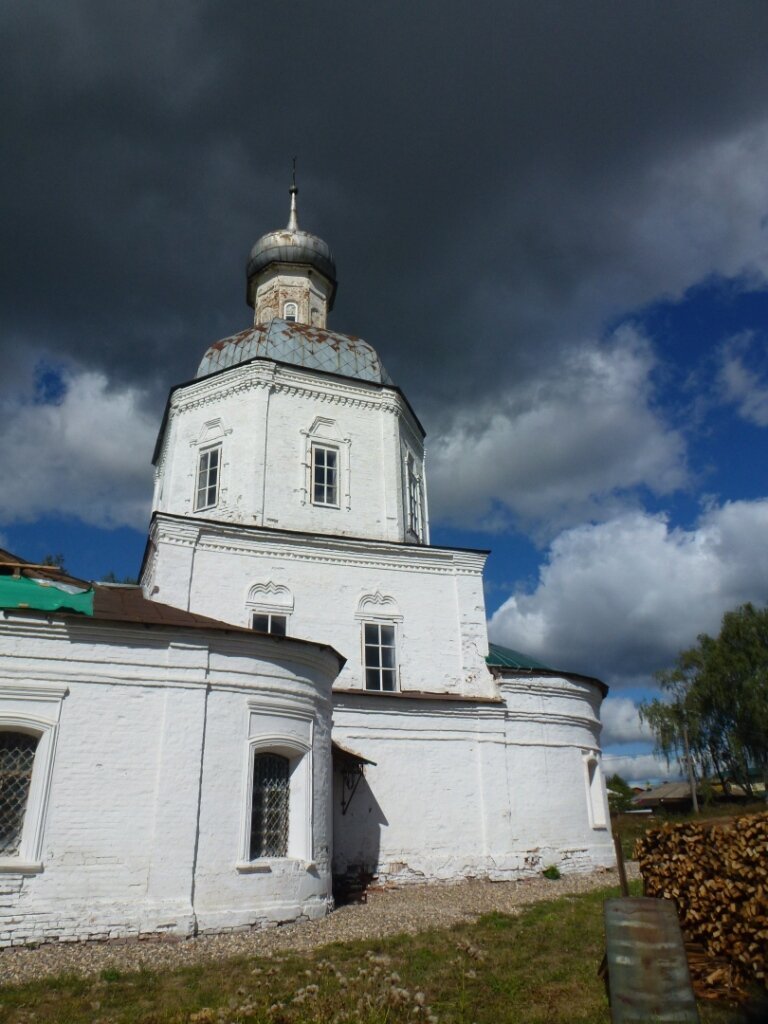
<point>325,466</point>
<point>17,759</point>
<point>379,656</point>
<point>270,805</point>
<point>269,622</point>
<point>208,477</point>
<point>413,488</point>
<point>291,312</point>
<point>325,475</point>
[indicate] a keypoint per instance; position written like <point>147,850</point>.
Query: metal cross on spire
<point>293,221</point>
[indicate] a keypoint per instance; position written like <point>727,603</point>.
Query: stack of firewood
<point>717,874</point>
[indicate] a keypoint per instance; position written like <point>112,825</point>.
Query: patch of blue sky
<point>89,551</point>
<point>512,565</point>
<point>49,383</point>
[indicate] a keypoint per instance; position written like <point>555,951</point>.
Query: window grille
<point>17,756</point>
<point>208,478</point>
<point>325,462</point>
<point>269,811</point>
<point>380,665</point>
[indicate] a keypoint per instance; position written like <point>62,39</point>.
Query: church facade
<point>290,522</point>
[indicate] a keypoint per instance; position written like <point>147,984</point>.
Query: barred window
<point>17,756</point>
<point>269,808</point>
<point>207,492</point>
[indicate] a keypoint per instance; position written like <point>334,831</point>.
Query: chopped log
<point>716,874</point>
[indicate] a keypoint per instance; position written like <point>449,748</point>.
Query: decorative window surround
<point>272,600</point>
<point>324,436</point>
<point>209,490</point>
<point>35,711</point>
<point>284,729</point>
<point>413,493</point>
<point>380,638</point>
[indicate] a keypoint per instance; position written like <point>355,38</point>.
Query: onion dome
<point>291,245</point>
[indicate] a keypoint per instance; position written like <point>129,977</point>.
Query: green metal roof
<point>44,595</point>
<point>505,657</point>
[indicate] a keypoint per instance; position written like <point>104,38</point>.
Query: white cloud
<point>88,455</point>
<point>742,384</point>
<point>638,769</point>
<point>621,722</point>
<point>620,599</point>
<point>570,446</point>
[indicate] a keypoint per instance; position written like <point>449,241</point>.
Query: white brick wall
<point>442,639</point>
<point>462,789</point>
<point>263,415</point>
<point>145,710</point>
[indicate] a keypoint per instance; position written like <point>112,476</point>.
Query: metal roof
<point>505,657</point>
<point>287,246</point>
<point>514,661</point>
<point>313,348</point>
<point>126,603</point>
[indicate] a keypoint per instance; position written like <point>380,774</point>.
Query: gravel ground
<point>389,911</point>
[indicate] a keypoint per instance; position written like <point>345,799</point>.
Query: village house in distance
<point>300,689</point>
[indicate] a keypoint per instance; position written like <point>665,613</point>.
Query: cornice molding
<point>283,380</point>
<point>330,549</point>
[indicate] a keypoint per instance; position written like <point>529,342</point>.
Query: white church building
<point>301,689</point>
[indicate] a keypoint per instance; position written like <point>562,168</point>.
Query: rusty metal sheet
<point>314,348</point>
<point>647,966</point>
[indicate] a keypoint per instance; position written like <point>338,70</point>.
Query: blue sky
<point>550,220</point>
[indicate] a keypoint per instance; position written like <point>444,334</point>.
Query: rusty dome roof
<point>313,348</point>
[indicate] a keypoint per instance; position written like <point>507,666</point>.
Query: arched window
<point>17,757</point>
<point>270,806</point>
<point>291,312</point>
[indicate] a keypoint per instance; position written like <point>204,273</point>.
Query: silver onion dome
<point>291,245</point>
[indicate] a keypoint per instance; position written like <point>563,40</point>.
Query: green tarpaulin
<point>45,595</point>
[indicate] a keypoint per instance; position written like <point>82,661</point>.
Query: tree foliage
<point>620,794</point>
<point>717,699</point>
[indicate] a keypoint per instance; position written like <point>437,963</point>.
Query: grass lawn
<point>538,967</point>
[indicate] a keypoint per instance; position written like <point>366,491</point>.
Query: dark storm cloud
<point>474,168</point>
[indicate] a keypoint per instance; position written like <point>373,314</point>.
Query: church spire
<point>293,221</point>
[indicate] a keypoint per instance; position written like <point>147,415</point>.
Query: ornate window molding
<point>413,497</point>
<point>285,732</point>
<point>272,600</point>
<point>209,486</point>
<point>324,437</point>
<point>378,606</point>
<point>32,711</point>
<point>380,641</point>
